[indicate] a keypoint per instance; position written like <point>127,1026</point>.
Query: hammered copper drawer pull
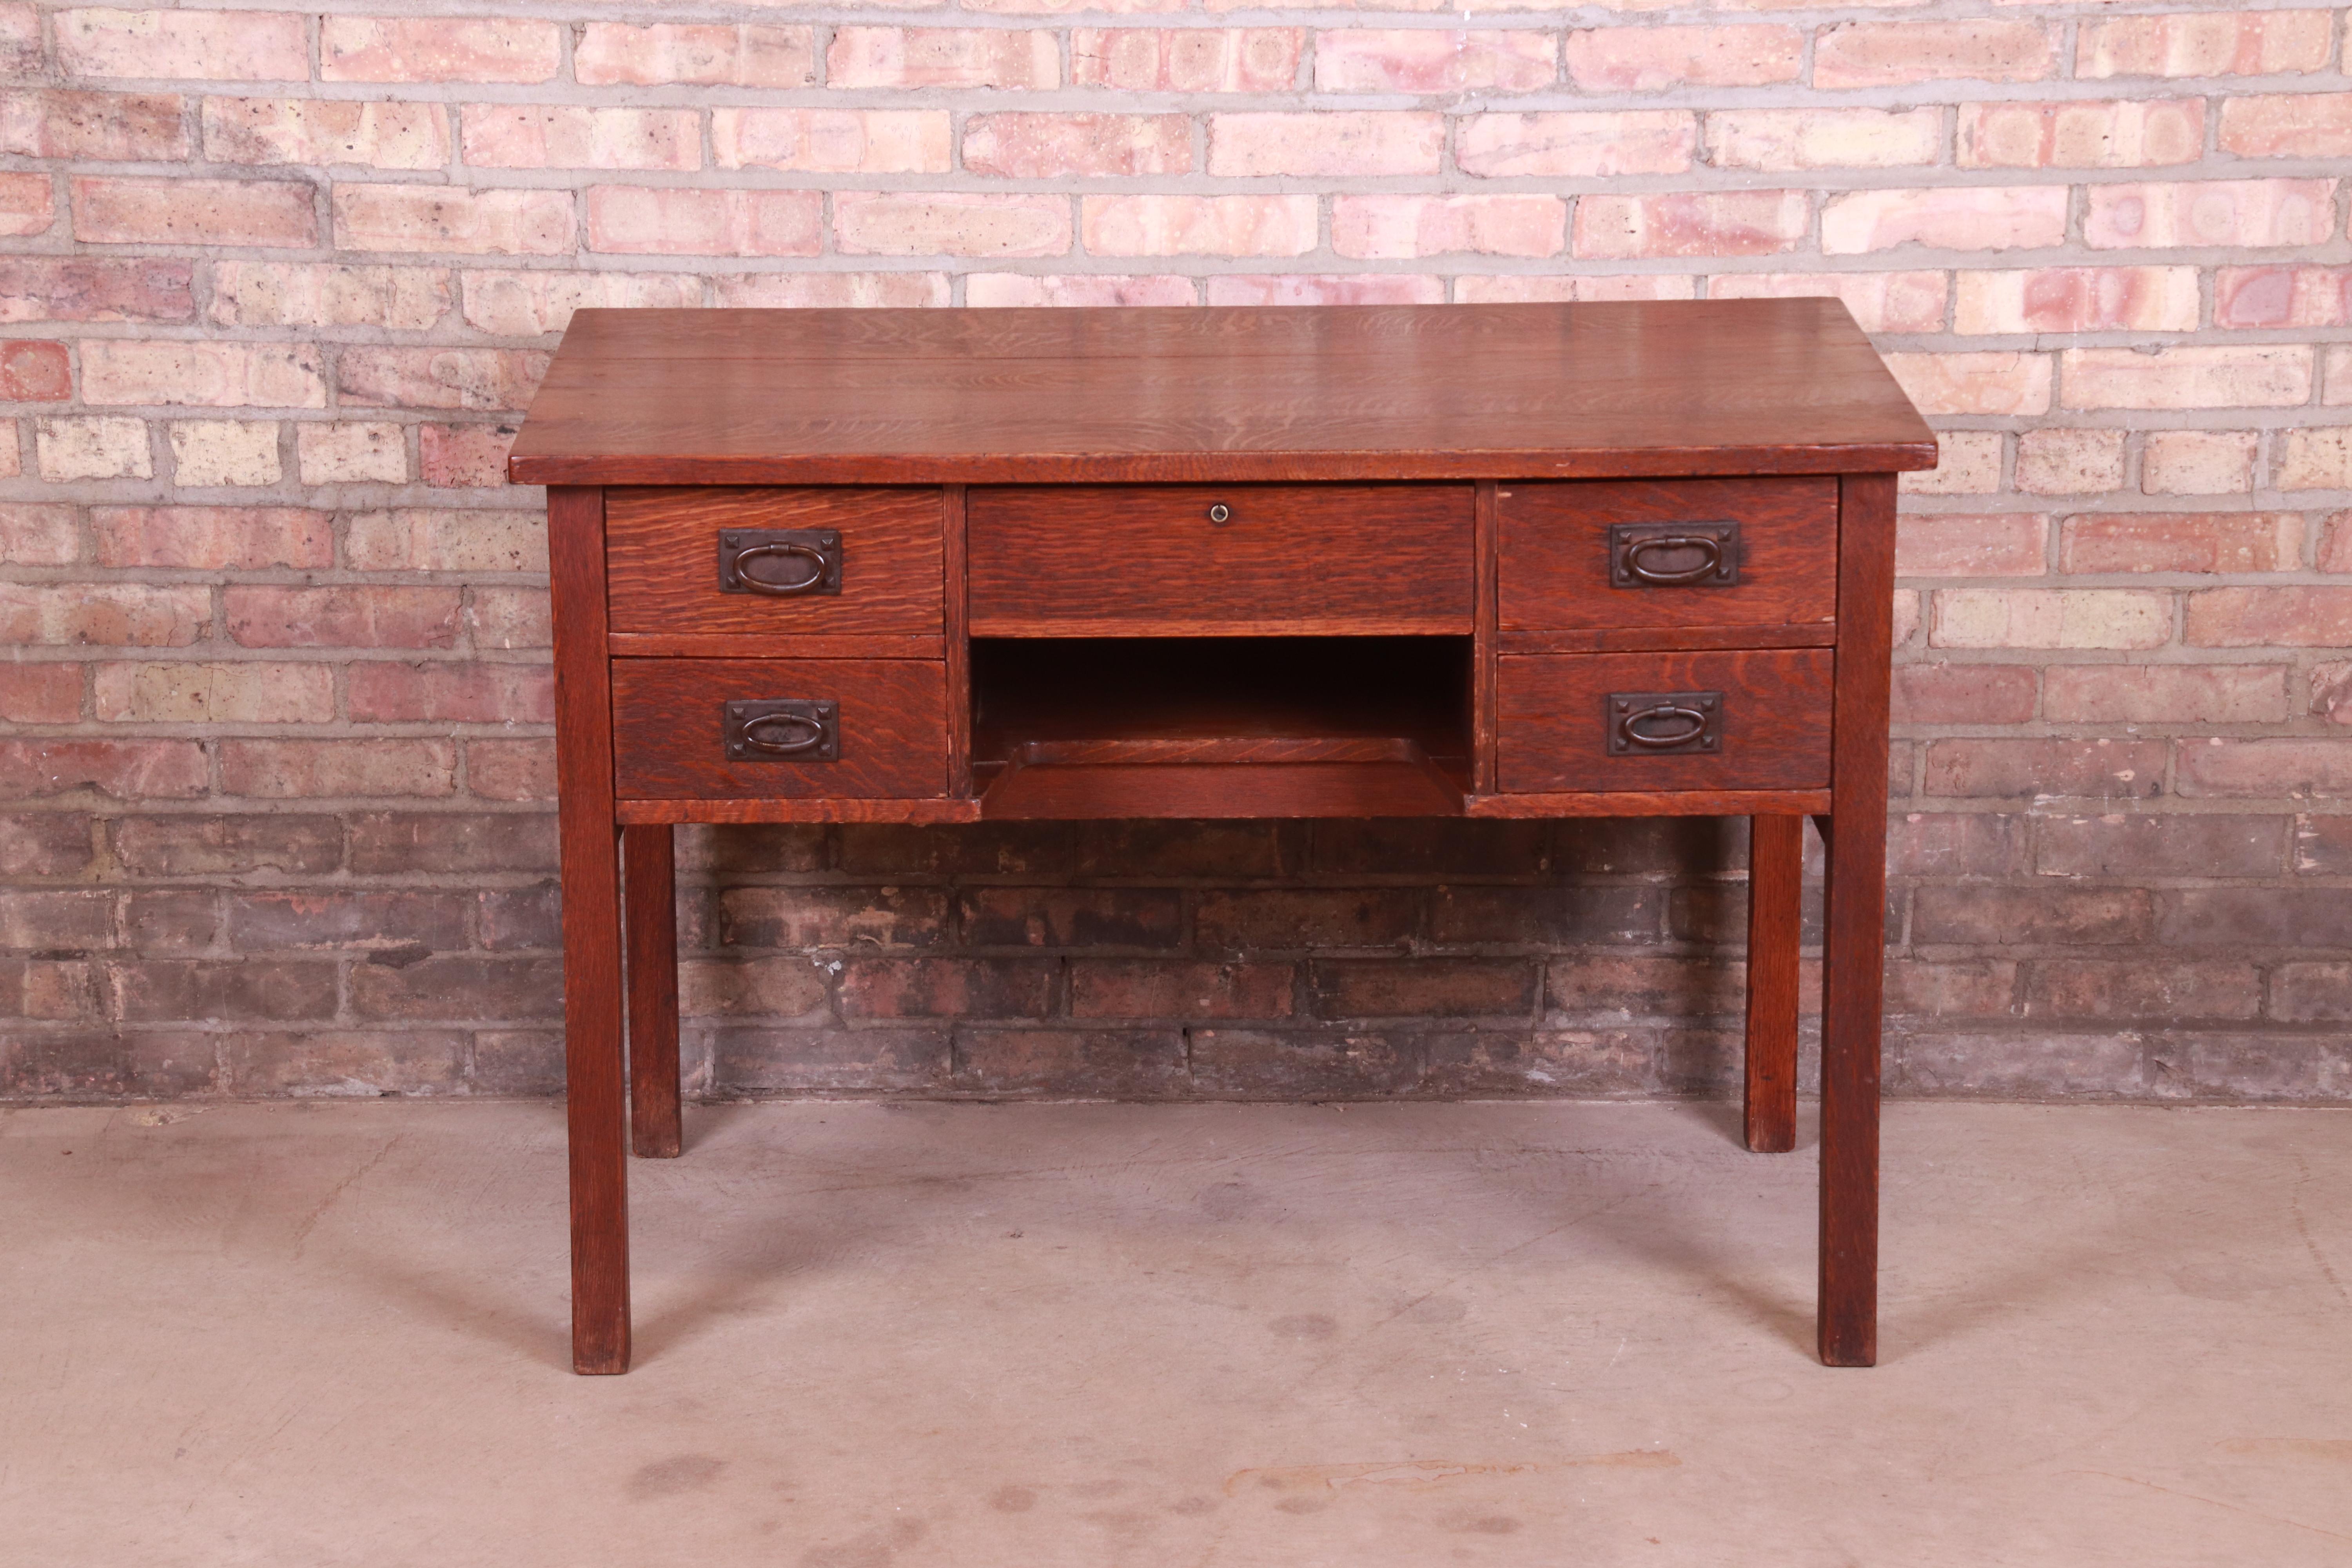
<point>1638,553</point>
<point>783,730</point>
<point>1664,723</point>
<point>814,552</point>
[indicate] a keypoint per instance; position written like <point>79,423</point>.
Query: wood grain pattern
<point>1775,884</point>
<point>1289,560</point>
<point>1648,803</point>
<point>1554,560</point>
<point>936,809</point>
<point>959,659</point>
<point>1405,783</point>
<point>595,1097</point>
<point>1667,639</point>
<point>668,740</point>
<point>1853,916</point>
<point>745,645</point>
<point>649,898</point>
<point>1482,641</point>
<point>1327,393</point>
<point>664,554</point>
<point>1776,722</point>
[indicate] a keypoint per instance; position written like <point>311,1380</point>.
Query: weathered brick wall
<point>276,763</point>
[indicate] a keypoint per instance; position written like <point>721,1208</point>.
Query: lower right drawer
<point>1730,720</point>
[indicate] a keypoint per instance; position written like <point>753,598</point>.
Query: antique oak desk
<point>1494,560</point>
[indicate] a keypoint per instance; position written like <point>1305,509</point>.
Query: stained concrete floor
<point>1185,1337</point>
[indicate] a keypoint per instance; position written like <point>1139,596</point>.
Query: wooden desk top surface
<point>1407,392</point>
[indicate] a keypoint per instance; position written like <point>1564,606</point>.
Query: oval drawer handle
<point>1711,559</point>
<point>1693,725</point>
<point>798,728</point>
<point>748,733</point>
<point>818,566</point>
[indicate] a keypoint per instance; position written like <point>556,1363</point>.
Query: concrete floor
<point>1185,1337</point>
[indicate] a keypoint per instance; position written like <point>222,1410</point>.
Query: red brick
<point>1657,987</point>
<point>2164,694</point>
<point>2170,989</point>
<point>2083,133</point>
<point>947,988</point>
<point>2078,300</point>
<point>465,456</point>
<point>1948,844</point>
<point>490,380</point>
<point>2311,993</point>
<point>1426,61</point>
<point>1316,289</point>
<point>891,223</point>
<point>20,41</point>
<point>280,769</point>
<point>126,770</point>
<point>103,127</point>
<point>240,692</point>
<point>2198,462</point>
<point>1204,59</point>
<point>708,54</point>
<point>1405,225</point>
<point>139,211</point>
<point>2219,43</point>
<point>1579,145</point>
<point>834,140</point>
<point>862,919</point>
<point>1971,217</point>
<point>1124,1064</point>
<point>1282,919</point>
<point>109,614</point>
<point>2335,543</point>
<point>28,203</point>
<point>40,693</point>
<point>1983,987</point>
<point>1442,987</point>
<point>541,136</point>
<point>34,370</point>
<point>457,986</point>
<point>2034,769</point>
<point>1198,226</point>
<point>2145,843</point>
<point>2270,617</point>
<point>470,693</point>
<point>175,989</point>
<point>1145,918</point>
<point>509,618</point>
<point>1963,694</point>
<point>1712,223</point>
<point>1153,988</point>
<point>326,131</point>
<point>942,57</point>
<point>2033,917</point>
<point>90,289</point>
<point>1347,143</point>
<point>789,987</point>
<point>347,917</point>
<point>1881,301</point>
<point>1058,146</point>
<point>447,218</point>
<point>2181,542</point>
<point>1942,545</point>
<point>210,538</point>
<point>1895,54</point>
<point>2266,769</point>
<point>2235,213</point>
<point>217,46</point>
<point>2283,297</point>
<point>437,48</point>
<point>33,534</point>
<point>1650,59</point>
<point>342,618</point>
<point>511,770</point>
<point>46,843</point>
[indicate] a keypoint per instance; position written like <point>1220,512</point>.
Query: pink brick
<point>511,770</point>
<point>2054,461</point>
<point>1308,289</point>
<point>705,54</point>
<point>304,294</point>
<point>1050,7</point>
<point>1016,289</point>
<point>2288,125</point>
<point>1975,382</point>
<point>452,219</point>
<point>126,770</point>
<point>834,140</point>
<point>509,618</point>
<point>32,534</point>
<point>34,370</point>
<point>1946,545</point>
<point>385,691</point>
<point>458,457</point>
<point>835,291</point>
<point>1713,222</point>
<point>341,617</point>
<point>2269,618</point>
<point>105,614</point>
<point>210,538</point>
<point>288,770</point>
<point>2219,213</point>
<point>543,136</point>
<point>2338,377</point>
<point>2111,135</point>
<point>95,288</point>
<point>1064,146</point>
<point>1423,60</point>
<point>117,127</point>
<point>1881,301</point>
<point>434,538</point>
<point>28,204</point>
<point>2266,377</point>
<point>2319,459</point>
<point>2050,618</point>
<point>12,454</point>
<point>645,220</point>
<point>20,41</point>
<point>1788,138</point>
<point>2181,542</point>
<point>942,57</point>
<point>1576,145</point>
<point>1521,289</point>
<point>2198,462</point>
<point>193,212</point>
<point>1895,54</point>
<point>2335,543</point>
<point>2164,694</point>
<point>2078,300</point>
<point>1198,226</point>
<point>908,223</point>
<point>490,380</point>
<point>40,693</point>
<point>215,45</point>
<point>2215,43</point>
<point>2283,297</point>
<point>325,131</point>
<point>1345,143</point>
<point>1206,59</point>
<point>1952,217</point>
<point>532,302</point>
<point>1649,59</point>
<point>1968,464</point>
<point>1384,227</point>
<point>437,48</point>
<point>2265,769</point>
<point>1962,694</point>
<point>244,691</point>
<point>205,375</point>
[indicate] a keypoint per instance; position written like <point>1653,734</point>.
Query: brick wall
<point>276,769</point>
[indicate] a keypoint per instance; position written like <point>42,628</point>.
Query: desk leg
<point>1854,924</point>
<point>650,920</point>
<point>1776,865</point>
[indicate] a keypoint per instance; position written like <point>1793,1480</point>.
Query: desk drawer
<point>1607,720</point>
<point>1255,559</point>
<point>837,562</point>
<point>1606,553</point>
<point>858,729</point>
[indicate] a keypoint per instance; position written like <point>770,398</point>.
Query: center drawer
<point>1232,560</point>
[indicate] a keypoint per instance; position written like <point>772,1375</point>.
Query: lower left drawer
<point>798,729</point>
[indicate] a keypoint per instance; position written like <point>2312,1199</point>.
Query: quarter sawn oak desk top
<point>942,565</point>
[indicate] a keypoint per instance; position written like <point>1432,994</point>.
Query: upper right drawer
<point>1664,555</point>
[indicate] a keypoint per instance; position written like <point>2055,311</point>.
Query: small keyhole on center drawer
<point>1220,512</point>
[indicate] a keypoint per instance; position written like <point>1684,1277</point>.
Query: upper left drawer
<point>840,562</point>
